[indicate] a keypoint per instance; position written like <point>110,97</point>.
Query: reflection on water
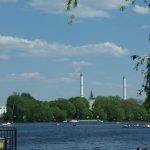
<point>83,136</point>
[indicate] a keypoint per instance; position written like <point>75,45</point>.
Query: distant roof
<point>91,96</point>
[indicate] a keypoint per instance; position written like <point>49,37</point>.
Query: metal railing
<point>8,138</point>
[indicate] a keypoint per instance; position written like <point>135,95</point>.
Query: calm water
<point>84,136</point>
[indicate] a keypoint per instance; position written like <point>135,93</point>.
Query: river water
<point>83,136</point>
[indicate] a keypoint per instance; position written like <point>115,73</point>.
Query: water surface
<point>83,136</point>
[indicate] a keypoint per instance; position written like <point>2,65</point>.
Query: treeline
<point>25,108</point>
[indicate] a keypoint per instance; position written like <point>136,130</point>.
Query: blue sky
<point>42,55</point>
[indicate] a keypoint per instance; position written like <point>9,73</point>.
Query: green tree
<point>82,108</point>
<point>25,108</point>
<point>59,115</point>
<point>99,113</point>
<point>108,107</point>
<point>66,106</point>
<point>134,110</point>
<point>115,113</point>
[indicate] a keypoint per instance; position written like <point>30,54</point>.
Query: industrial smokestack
<point>81,85</point>
<point>124,88</point>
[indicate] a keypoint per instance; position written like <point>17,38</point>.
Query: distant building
<point>81,85</point>
<point>124,88</point>
<point>3,110</point>
<point>91,100</point>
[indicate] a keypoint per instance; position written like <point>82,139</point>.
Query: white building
<point>81,85</point>
<point>3,110</point>
<point>124,88</point>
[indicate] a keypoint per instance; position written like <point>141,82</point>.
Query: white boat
<point>92,120</point>
<point>73,121</point>
<point>7,124</point>
<point>136,125</point>
<point>126,126</point>
<point>65,121</point>
<point>147,125</point>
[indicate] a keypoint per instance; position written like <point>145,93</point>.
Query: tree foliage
<point>82,108</point>
<point>66,106</point>
<point>25,108</point>
<point>74,3</point>
<point>143,63</point>
<point>70,3</point>
<point>113,108</point>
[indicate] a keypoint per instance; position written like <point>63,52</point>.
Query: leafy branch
<point>140,61</point>
<point>72,3</point>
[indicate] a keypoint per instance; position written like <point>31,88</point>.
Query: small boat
<point>7,124</point>
<point>126,126</point>
<point>147,125</point>
<point>65,121</point>
<point>136,125</point>
<point>74,125</point>
<point>74,121</point>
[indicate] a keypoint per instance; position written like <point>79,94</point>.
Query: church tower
<point>91,100</point>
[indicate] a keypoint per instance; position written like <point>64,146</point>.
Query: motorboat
<point>136,125</point>
<point>7,124</point>
<point>73,121</point>
<point>126,126</point>
<point>57,124</point>
<point>147,125</point>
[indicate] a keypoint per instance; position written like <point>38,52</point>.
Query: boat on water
<point>147,125</point>
<point>7,124</point>
<point>74,121</point>
<point>10,122</point>
<point>132,125</point>
<point>91,120</point>
<point>136,125</point>
<point>126,126</point>
<point>57,124</point>
<point>65,121</point>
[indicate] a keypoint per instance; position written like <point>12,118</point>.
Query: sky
<point>42,55</point>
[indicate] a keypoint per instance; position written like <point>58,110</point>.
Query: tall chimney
<point>124,88</point>
<point>81,85</point>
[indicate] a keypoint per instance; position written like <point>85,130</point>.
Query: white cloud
<point>38,48</point>
<point>27,75</point>
<point>88,12</point>
<point>30,76</point>
<point>141,10</point>
<point>85,9</point>
<point>49,6</point>
<point>101,4</point>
